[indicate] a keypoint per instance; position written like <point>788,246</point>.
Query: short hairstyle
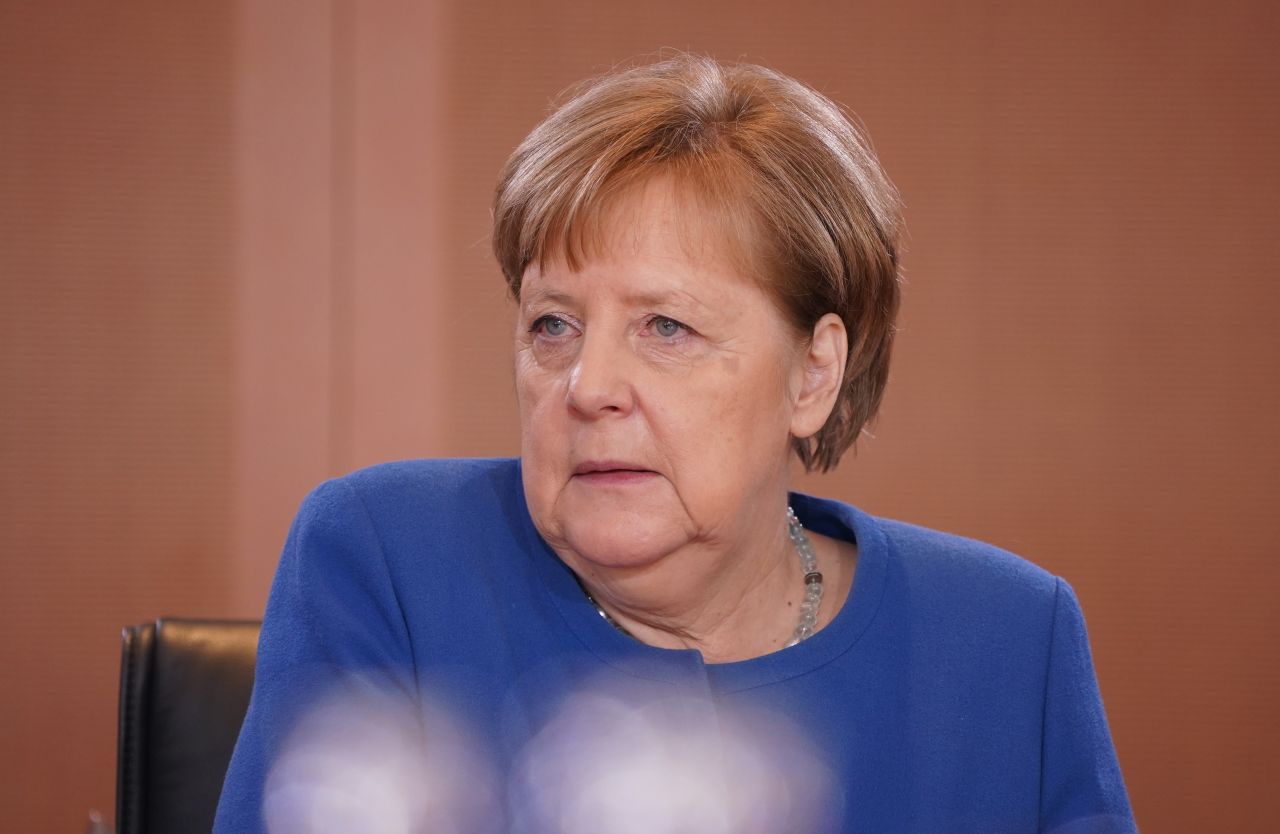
<point>780,164</point>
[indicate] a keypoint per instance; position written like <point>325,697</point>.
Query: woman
<point>704,260</point>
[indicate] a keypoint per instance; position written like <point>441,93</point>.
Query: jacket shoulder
<point>429,483</point>
<point>957,567</point>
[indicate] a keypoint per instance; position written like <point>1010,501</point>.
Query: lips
<point>594,467</point>
<point>611,472</point>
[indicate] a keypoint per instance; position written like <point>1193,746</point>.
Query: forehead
<point>656,236</point>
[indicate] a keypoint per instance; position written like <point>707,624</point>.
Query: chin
<point>620,542</point>
<point>627,526</point>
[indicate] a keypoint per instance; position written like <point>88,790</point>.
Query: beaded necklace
<point>812,586</point>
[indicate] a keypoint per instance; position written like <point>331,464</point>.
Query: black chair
<point>184,690</point>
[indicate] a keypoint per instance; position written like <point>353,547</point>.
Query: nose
<point>599,384</point>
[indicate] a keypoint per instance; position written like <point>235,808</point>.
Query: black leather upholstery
<point>184,690</point>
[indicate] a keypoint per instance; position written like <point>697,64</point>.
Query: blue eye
<point>667,328</point>
<point>551,325</point>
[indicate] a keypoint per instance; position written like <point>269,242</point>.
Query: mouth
<point>602,472</point>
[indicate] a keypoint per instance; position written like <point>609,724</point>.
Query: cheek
<point>539,451</point>
<point>542,433</point>
<point>749,394</point>
<point>737,409</point>
<point>535,386</point>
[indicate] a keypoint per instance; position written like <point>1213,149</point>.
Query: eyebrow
<point>638,298</point>
<point>555,296</point>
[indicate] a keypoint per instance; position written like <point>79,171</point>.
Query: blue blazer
<point>421,638</point>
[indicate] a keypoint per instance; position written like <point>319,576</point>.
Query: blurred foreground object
<point>373,761</point>
<point>96,825</point>
<point>609,763</point>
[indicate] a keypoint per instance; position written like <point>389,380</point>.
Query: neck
<point>730,600</point>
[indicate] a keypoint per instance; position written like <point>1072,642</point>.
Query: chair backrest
<point>184,691</point>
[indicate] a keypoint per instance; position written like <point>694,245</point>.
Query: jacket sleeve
<point>1082,790</point>
<point>333,628</point>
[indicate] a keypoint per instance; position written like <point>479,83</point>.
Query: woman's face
<point>657,387</point>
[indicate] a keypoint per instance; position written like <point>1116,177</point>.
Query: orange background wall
<point>243,247</point>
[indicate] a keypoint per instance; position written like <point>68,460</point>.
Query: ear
<point>820,371</point>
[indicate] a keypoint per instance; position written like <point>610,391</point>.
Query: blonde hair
<point>780,164</point>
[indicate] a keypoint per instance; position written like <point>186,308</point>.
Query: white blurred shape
<point>607,764</point>
<point>365,763</point>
